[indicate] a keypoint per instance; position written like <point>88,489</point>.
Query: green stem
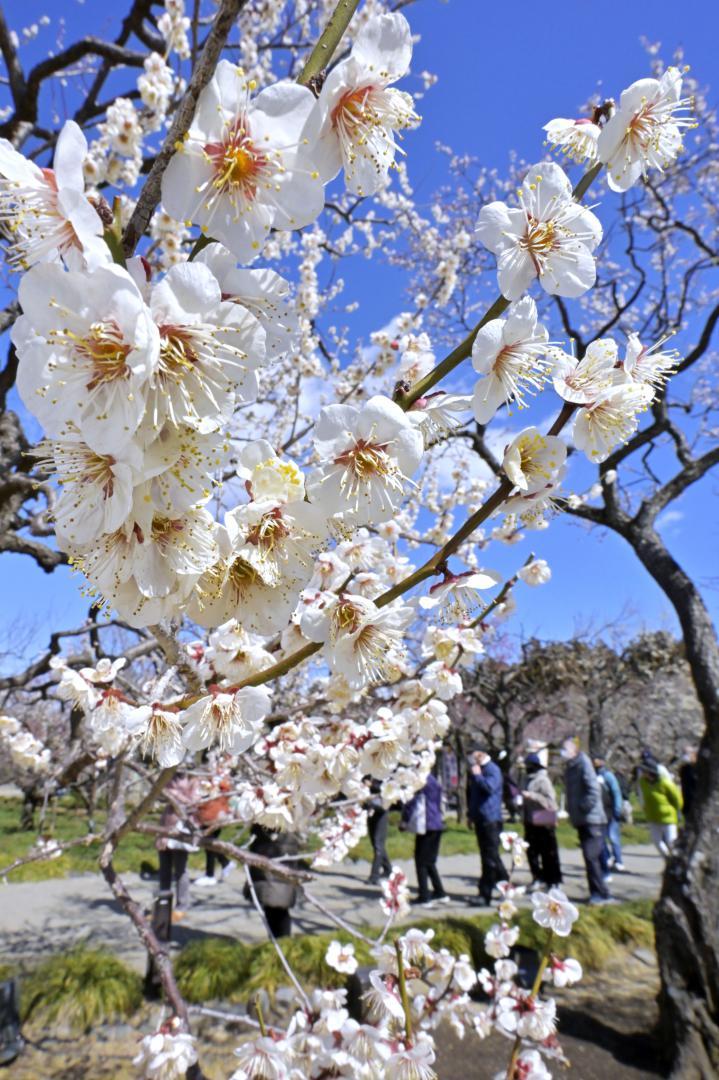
<point>403,992</point>
<point>260,1016</point>
<point>330,38</point>
<point>464,349</point>
<point>534,991</point>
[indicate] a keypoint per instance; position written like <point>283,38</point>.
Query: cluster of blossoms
<point>27,754</point>
<point>172,508</point>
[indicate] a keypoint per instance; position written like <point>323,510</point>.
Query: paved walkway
<point>47,916</point>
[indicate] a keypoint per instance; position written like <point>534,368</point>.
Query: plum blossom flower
<point>456,595</point>
<point>359,112</point>
<point>499,939</point>
<point>263,1057</point>
<point>533,461</point>
<point>583,381</point>
<point>46,211</point>
<point>268,476</point>
<point>412,1062</point>
<point>162,736</point>
<point>611,419</point>
<point>442,680</point>
<point>516,845</point>
<point>554,911</point>
<point>645,132</point>
<point>439,413</point>
<point>526,1016</point>
<point>509,354</point>
<point>341,957</point>
<point>166,1055</point>
<point>395,894</point>
<point>562,972</point>
<point>263,293</point>
<point>231,722</point>
<point>549,236</point>
<point>383,1000</point>
<point>575,138</point>
<point>210,350</point>
<point>360,640</point>
<point>647,364</point>
<point>368,455</point>
<point>537,572</point>
<point>246,164</point>
<point>88,349</point>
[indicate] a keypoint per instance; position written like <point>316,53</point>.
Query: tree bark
<point>686,917</point>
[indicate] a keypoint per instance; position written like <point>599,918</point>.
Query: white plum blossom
<point>360,640</point>
<point>509,354</point>
<point>246,165</point>
<point>575,138</point>
<point>649,364</point>
<point>529,1066</point>
<point>554,911</point>
<point>645,132</point>
<point>456,595</point>
<point>395,894</point>
<point>611,419</point>
<point>499,939</point>
<point>268,476</point>
<point>549,236</point>
<point>359,111</point>
<point>368,455</point>
<point>231,722</point>
<point>413,1062</point>
<point>46,211</point>
<point>583,381</point>
<point>166,1055</point>
<point>526,1016</point>
<point>562,972</point>
<point>88,349</point>
<point>537,572</point>
<point>533,461</point>
<point>442,680</point>
<point>341,957</point>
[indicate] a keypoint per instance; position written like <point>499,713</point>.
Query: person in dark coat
<point>540,825</point>
<point>586,813</point>
<point>688,778</point>
<point>423,816</point>
<point>275,896</point>
<point>377,826</point>
<point>485,813</point>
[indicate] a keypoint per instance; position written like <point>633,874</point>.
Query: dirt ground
<point>605,1026</point>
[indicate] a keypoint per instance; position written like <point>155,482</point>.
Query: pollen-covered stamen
<point>238,165</point>
<point>269,531</point>
<point>102,349</point>
<point>31,216</point>
<point>521,369</point>
<point>366,112</point>
<point>162,727</point>
<point>241,577</point>
<point>346,617</point>
<point>194,359</point>
<point>218,723</point>
<point>375,647</point>
<point>368,465</point>
<point>164,530</point>
<point>533,462</point>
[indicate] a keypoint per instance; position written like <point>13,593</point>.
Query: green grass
<point>212,969</point>
<point>83,988</point>
<point>459,840</point>
<point>67,821</point>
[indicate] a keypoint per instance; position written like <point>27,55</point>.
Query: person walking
<point>662,801</point>
<point>540,825</point>
<point>485,813</point>
<point>423,816</point>
<point>586,813</point>
<point>275,896</point>
<point>213,809</point>
<point>377,826</point>
<point>613,803</point>
<point>173,853</point>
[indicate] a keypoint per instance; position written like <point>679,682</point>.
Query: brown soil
<point>605,1029</point>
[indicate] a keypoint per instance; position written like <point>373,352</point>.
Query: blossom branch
<point>330,38</point>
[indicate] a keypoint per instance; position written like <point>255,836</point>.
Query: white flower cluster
<point>27,754</point>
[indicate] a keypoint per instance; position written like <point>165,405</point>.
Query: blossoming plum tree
<point>268,521</point>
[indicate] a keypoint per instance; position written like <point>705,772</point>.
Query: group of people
<point>595,804</point>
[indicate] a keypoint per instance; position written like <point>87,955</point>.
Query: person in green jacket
<point>662,801</point>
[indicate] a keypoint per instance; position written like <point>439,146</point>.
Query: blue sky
<point>503,72</point>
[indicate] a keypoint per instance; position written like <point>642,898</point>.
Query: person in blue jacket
<point>423,816</point>
<point>485,813</point>
<point>611,857</point>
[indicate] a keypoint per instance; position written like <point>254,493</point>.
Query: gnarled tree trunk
<point>686,917</point>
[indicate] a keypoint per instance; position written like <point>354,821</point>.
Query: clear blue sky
<point>504,70</point>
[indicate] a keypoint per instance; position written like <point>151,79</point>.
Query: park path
<point>41,917</point>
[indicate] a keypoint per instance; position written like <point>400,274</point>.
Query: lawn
<point>459,840</point>
<point>67,820</point>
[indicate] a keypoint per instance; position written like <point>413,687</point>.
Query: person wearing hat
<point>486,787</point>
<point>662,801</point>
<point>540,825</point>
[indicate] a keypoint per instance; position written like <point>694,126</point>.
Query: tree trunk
<point>460,751</point>
<point>686,917</point>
